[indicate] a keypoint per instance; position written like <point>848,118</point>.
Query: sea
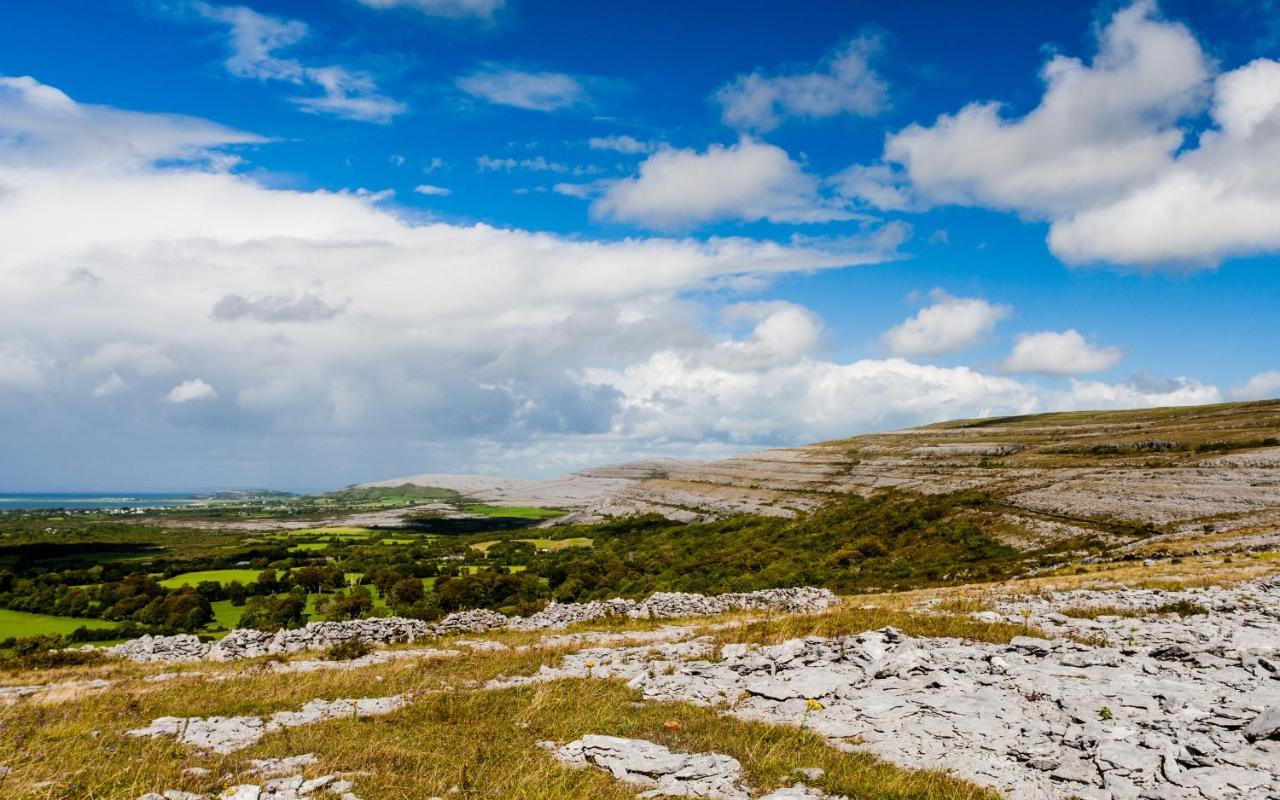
<point>91,500</point>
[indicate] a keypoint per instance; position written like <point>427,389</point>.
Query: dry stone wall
<point>249,643</point>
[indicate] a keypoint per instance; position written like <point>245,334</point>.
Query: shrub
<point>44,652</point>
<point>348,650</point>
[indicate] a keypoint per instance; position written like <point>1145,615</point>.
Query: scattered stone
<point>662,772</point>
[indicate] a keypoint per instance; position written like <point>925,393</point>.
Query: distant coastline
<point>91,500</point>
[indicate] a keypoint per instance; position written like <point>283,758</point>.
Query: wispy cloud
<point>628,145</point>
<point>448,9</point>
<point>255,40</point>
<point>533,91</point>
<point>842,83</point>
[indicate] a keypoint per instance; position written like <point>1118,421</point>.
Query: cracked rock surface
<point>1179,708</point>
<point>662,772</point>
<point>228,734</point>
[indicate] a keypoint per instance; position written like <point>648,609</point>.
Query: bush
<point>45,652</point>
<point>348,650</point>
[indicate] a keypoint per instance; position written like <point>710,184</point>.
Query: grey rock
<point>1264,726</point>
<point>661,771</point>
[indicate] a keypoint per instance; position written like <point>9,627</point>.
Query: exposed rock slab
<point>662,772</point>
<point>229,734</point>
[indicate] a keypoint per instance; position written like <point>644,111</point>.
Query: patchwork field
<point>222,576</point>
<point>19,624</point>
<point>541,544</point>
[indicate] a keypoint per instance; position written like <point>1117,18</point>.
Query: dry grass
<point>454,735</point>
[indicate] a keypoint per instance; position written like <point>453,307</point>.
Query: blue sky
<point>301,244</point>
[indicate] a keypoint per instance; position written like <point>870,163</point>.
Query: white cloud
<point>1115,156</point>
<point>947,325</point>
<point>534,164</point>
<point>449,9</point>
<point>1140,391</point>
<point>255,39</point>
<point>750,180</point>
<point>191,390</point>
<point>769,387</point>
<point>451,333</point>
<point>112,384</point>
<point>23,365</point>
<point>1263,386</point>
<point>628,145</point>
<point>1099,128</point>
<point>1217,200</point>
<point>431,190</point>
<point>582,191</point>
<point>1053,353</point>
<point>131,357</point>
<point>533,91</point>
<point>843,83</point>
<point>54,129</point>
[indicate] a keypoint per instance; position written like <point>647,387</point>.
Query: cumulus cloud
<point>532,91</point>
<point>769,386</point>
<point>431,190</point>
<point>450,333</point>
<point>750,180</point>
<point>945,326</point>
<point>1139,391</point>
<point>1054,353</point>
<point>1263,386</point>
<point>448,9</point>
<point>191,390</point>
<point>842,83</point>
<point>627,145</point>
<point>1216,200</point>
<point>255,39</point>
<point>1113,156</point>
<point>1100,127</point>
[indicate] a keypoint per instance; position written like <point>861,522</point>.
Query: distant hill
<point>1188,470</point>
<point>1201,470</point>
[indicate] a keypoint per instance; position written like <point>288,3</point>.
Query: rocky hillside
<point>1176,471</point>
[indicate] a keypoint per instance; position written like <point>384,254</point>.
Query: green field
<point>341,531</point>
<point>303,546</point>
<point>222,576</point>
<point>514,512</point>
<point>20,623</point>
<point>541,544</point>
